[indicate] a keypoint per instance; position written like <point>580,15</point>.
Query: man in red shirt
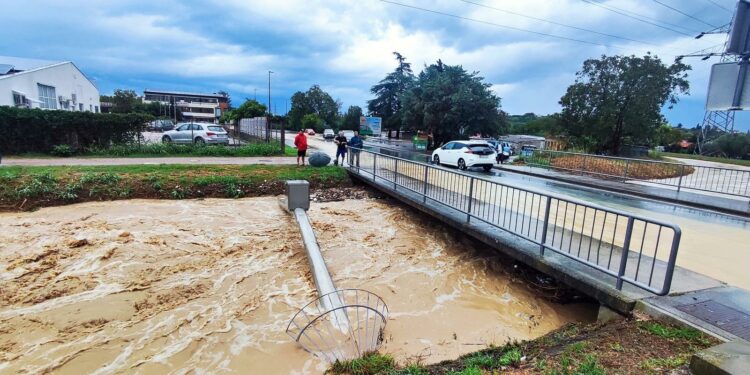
<point>300,141</point>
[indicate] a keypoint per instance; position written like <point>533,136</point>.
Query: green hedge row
<point>35,130</point>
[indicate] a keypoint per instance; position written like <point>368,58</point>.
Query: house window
<point>96,109</point>
<point>19,100</point>
<point>47,97</point>
<point>80,107</point>
<point>91,108</point>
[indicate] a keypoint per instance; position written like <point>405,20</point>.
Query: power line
<point>720,6</point>
<point>495,24</point>
<point>639,17</point>
<point>683,13</point>
<point>557,23</point>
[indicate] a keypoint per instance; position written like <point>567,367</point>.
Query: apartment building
<point>189,106</point>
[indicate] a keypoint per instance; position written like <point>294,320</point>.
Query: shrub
<point>37,130</point>
<point>62,150</point>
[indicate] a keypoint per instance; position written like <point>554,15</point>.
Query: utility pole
<point>268,121</point>
<point>255,94</point>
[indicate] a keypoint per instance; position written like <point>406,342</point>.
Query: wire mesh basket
<point>340,325</point>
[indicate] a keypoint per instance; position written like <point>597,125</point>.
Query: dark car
<point>160,125</point>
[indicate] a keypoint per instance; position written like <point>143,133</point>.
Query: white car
<point>198,133</point>
<point>465,154</point>
<point>348,134</point>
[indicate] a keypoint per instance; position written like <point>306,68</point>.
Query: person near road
<point>356,145</point>
<point>340,142</point>
<point>300,141</point>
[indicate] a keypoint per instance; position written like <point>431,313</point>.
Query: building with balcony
<point>189,106</point>
<point>44,84</point>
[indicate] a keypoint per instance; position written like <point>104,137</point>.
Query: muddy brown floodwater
<point>155,287</point>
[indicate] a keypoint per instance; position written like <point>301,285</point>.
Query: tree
<point>312,121</point>
<point>619,98</point>
<point>388,92</point>
<point>351,118</point>
<point>124,101</point>
<point>249,109</point>
<point>313,101</point>
<point>229,98</point>
<point>450,103</point>
<point>545,126</point>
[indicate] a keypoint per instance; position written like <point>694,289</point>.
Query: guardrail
<point>681,176</point>
<point>633,249</point>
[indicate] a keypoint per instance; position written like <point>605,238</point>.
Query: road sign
<point>729,88</point>
<point>370,125</point>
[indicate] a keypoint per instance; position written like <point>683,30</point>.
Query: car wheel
<point>200,141</point>
<point>436,160</point>
<point>166,139</point>
<point>487,168</point>
<point>461,164</point>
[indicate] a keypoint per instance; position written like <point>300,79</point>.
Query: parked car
<point>328,134</point>
<point>160,125</point>
<point>465,154</point>
<point>197,133</point>
<point>310,132</point>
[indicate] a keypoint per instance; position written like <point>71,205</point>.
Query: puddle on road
<point>157,287</point>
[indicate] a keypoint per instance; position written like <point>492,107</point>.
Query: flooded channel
<point>157,287</point>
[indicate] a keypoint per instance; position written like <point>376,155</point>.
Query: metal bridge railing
<point>632,249</point>
<point>681,176</point>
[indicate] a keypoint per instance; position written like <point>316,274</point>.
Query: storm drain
<point>341,324</point>
<point>722,316</point>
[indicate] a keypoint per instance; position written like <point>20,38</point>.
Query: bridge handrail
<point>717,181</point>
<point>544,198</point>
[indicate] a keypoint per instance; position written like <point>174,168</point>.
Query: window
<point>96,109</point>
<point>183,127</point>
<point>47,97</point>
<point>80,107</point>
<point>19,100</point>
<point>91,108</point>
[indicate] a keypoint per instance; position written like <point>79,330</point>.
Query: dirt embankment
<point>23,189</point>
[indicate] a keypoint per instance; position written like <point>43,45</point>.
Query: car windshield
<point>216,128</point>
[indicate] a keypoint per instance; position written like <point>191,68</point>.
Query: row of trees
<point>444,101</point>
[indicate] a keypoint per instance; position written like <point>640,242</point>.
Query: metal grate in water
<point>722,316</point>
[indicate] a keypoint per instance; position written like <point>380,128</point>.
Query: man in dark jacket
<point>355,146</point>
<point>340,142</point>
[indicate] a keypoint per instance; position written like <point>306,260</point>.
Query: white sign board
<point>725,79</point>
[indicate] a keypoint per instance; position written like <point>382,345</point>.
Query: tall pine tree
<point>387,101</point>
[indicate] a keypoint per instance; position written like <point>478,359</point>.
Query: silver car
<point>198,133</point>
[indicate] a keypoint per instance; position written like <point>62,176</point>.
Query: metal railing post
<point>546,225</point>
<point>471,193</point>
<point>625,175</point>
<point>395,173</point>
<point>583,165</point>
<point>426,176</point>
<point>625,251</point>
<point>679,182</point>
<point>374,166</point>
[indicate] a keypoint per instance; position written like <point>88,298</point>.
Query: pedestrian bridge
<point>613,256</point>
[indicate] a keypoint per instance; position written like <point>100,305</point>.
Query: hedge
<point>35,130</point>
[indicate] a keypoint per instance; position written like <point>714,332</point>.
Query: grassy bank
<point>745,163</point>
<point>23,188</point>
<point>614,168</point>
<point>632,346</point>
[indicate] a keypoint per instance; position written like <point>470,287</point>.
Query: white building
<point>190,105</point>
<point>31,83</point>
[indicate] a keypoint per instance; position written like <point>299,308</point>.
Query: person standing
<point>340,142</point>
<point>300,141</point>
<point>355,146</point>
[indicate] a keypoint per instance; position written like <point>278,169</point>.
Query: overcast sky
<point>346,46</point>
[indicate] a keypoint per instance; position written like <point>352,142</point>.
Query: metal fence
<point>681,176</point>
<point>257,128</point>
<point>630,248</point>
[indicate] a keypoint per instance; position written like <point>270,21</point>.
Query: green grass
<point>661,364</point>
<point>745,163</point>
<point>667,332</point>
<point>567,366</point>
<point>468,371</point>
<point>30,187</point>
<point>171,150</point>
<point>369,364</point>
